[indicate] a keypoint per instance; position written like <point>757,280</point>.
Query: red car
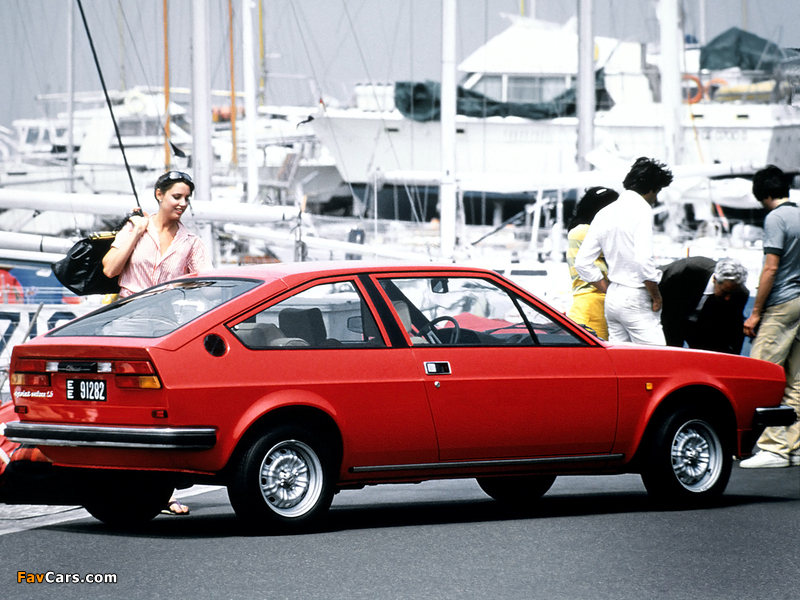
<point>289,382</point>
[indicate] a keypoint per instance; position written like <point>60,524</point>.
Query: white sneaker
<point>794,460</point>
<point>764,460</point>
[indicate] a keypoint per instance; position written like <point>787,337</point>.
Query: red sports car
<point>289,382</point>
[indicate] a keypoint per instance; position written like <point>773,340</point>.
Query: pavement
<point>20,517</point>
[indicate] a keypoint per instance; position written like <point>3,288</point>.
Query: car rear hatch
<point>101,383</point>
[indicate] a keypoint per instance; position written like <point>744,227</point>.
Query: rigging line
<point>332,54</point>
<point>108,102</point>
<point>375,95</point>
<point>43,106</point>
<point>149,85</point>
<point>321,102</point>
<point>27,37</point>
<point>393,45</point>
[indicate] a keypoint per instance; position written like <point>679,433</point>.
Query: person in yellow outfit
<point>588,303</point>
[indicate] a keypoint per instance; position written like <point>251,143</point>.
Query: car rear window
<point>158,311</point>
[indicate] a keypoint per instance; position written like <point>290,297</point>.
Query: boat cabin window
<point>33,136</point>
<point>152,127</point>
<point>182,122</point>
<point>490,86</point>
<point>520,88</point>
<point>130,127</point>
<point>536,89</point>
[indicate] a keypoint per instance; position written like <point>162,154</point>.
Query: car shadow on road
<point>475,511</point>
<point>209,523</point>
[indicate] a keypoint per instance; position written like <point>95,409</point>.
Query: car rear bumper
<point>99,436</point>
<point>776,416</point>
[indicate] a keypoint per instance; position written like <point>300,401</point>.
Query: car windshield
<point>157,311</point>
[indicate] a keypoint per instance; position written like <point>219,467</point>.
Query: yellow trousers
<point>589,309</point>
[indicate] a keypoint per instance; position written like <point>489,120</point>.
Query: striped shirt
<point>147,267</point>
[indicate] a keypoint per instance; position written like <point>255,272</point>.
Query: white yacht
<point>534,62</point>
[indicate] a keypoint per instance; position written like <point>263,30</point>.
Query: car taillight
<point>30,379</point>
<point>142,382</point>
<point>133,367</point>
<point>136,374</point>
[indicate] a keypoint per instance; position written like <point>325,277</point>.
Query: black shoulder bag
<point>81,270</point>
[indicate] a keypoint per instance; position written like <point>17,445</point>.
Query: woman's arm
<point>117,257</point>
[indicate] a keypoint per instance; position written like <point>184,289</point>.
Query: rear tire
<point>284,481</point>
<point>517,490</point>
<point>687,462</point>
<point>126,500</point>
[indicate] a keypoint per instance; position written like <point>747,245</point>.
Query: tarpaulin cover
<point>738,48</point>
<point>420,101</point>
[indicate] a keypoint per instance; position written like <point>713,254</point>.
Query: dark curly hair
<point>771,182</point>
<point>593,200</point>
<point>647,175</point>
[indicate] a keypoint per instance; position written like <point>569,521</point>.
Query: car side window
<point>329,315</point>
<point>546,331</point>
<point>464,311</point>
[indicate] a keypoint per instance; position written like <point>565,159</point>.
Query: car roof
<point>273,271</point>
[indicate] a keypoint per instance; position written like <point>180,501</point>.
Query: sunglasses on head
<point>175,176</point>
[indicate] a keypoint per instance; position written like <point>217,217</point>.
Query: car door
<point>321,345</point>
<point>514,382</point>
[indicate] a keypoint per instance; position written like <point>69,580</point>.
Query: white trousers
<point>630,316</point>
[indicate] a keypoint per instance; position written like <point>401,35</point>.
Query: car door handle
<point>437,368</point>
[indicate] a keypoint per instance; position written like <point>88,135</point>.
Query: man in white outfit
<point>623,233</point>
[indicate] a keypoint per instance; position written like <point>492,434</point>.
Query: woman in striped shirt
<point>153,249</point>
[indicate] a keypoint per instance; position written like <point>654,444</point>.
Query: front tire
<point>517,490</point>
<point>284,481</point>
<point>687,461</point>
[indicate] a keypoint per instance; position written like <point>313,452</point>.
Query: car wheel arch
<point>708,400</point>
<point>311,418</point>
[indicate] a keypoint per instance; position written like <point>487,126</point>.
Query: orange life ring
<point>716,81</point>
<point>700,89</point>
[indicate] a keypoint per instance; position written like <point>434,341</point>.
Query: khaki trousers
<point>777,342</point>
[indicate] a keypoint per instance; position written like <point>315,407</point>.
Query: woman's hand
<point>139,224</point>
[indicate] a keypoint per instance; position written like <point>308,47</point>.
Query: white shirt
<point>623,233</point>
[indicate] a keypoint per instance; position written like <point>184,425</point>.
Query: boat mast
<point>167,153</point>
<point>249,73</point>
<point>202,154</point>
<point>71,96</point>
<point>703,37</point>
<point>262,64</point>
<point>586,91</point>
<point>671,99</point>
<point>447,190</point>
<point>234,157</point>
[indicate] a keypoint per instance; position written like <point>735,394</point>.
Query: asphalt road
<point>589,538</point>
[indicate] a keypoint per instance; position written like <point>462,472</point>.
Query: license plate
<point>86,389</point>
